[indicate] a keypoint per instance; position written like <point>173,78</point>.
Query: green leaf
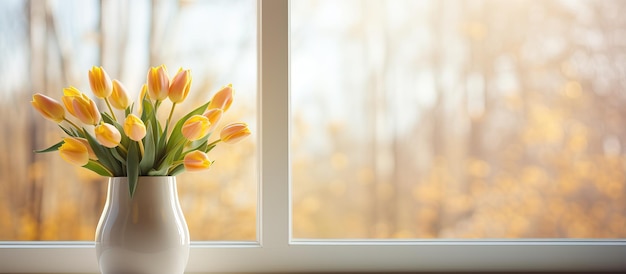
<point>161,146</point>
<point>54,147</point>
<point>209,148</point>
<point>197,146</point>
<point>148,113</point>
<point>97,168</point>
<point>116,154</point>
<point>68,132</point>
<point>146,108</point>
<point>147,162</point>
<point>128,110</point>
<point>177,170</point>
<point>104,156</point>
<point>154,172</point>
<point>108,118</point>
<point>78,133</point>
<point>172,155</point>
<point>132,164</point>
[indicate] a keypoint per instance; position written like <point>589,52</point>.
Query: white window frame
<point>277,252</point>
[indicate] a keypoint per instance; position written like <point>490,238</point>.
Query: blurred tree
<point>514,130</point>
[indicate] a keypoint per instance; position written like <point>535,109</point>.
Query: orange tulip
<point>119,96</point>
<point>49,108</point>
<point>234,133</point>
<point>81,106</point>
<point>196,161</point>
<point>214,116</point>
<point>108,135</point>
<point>100,82</point>
<point>74,151</point>
<point>180,86</point>
<point>134,128</point>
<point>223,98</point>
<point>158,83</point>
<point>196,127</point>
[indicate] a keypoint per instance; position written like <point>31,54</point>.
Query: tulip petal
<point>196,127</point>
<point>196,161</point>
<point>100,82</point>
<point>134,128</point>
<point>108,135</point>
<point>223,98</point>
<point>81,106</point>
<point>74,152</point>
<point>179,88</point>
<point>158,83</point>
<point>214,116</point>
<point>234,133</point>
<point>119,96</point>
<point>49,108</point>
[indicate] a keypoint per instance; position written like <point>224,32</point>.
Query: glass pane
<point>46,46</point>
<point>458,119</point>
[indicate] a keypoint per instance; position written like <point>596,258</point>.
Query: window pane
<point>458,119</point>
<point>48,45</point>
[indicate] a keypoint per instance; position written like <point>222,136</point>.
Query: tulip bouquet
<point>138,145</point>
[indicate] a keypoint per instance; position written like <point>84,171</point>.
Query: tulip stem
<point>110,109</point>
<point>157,104</point>
<point>169,118</point>
<point>214,142</point>
<point>174,165</point>
<point>123,148</point>
<point>74,125</point>
<point>141,149</point>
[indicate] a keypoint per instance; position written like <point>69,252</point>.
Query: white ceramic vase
<point>145,234</point>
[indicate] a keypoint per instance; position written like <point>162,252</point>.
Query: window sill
<point>346,256</point>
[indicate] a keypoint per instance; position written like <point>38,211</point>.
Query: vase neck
<point>149,189</point>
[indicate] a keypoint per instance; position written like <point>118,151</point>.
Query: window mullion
<point>273,78</point>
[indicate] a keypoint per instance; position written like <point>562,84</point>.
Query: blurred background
<point>441,119</point>
<point>47,45</point>
<point>458,119</point>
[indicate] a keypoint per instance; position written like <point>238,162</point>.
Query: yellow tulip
<point>86,111</point>
<point>180,86</point>
<point>68,98</point>
<point>108,135</point>
<point>158,83</point>
<point>81,106</point>
<point>223,98</point>
<point>196,127</point>
<point>214,116</point>
<point>92,155</point>
<point>74,151</point>
<point>49,108</point>
<point>119,96</point>
<point>100,82</point>
<point>233,133</point>
<point>134,128</point>
<point>196,161</point>
<point>142,95</point>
